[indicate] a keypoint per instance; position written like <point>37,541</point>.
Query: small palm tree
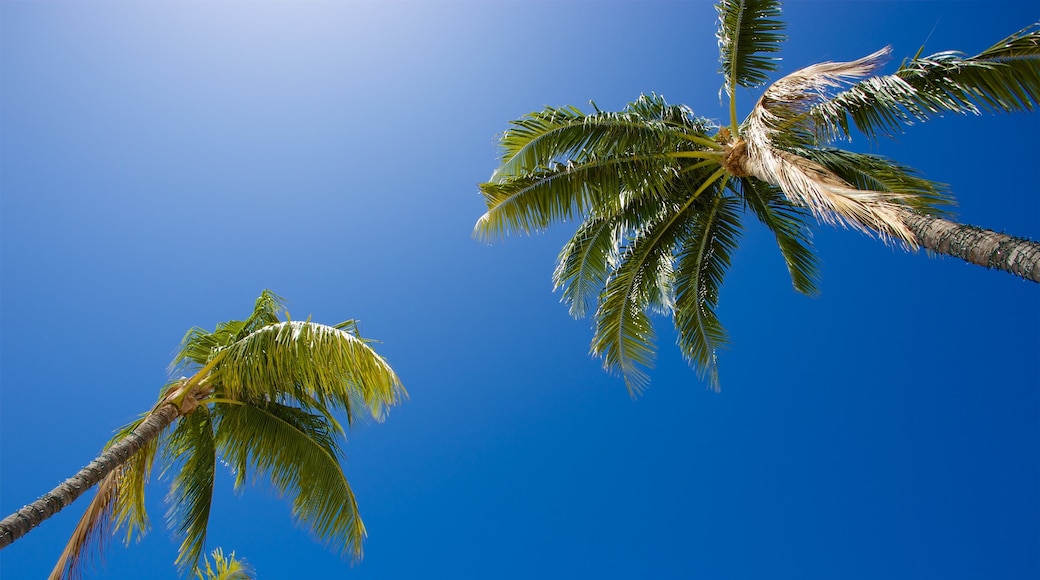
<point>660,193</point>
<point>263,398</point>
<point>223,568</point>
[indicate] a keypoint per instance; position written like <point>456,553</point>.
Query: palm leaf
<point>568,135</point>
<point>788,223</point>
<point>784,106</point>
<point>559,164</point>
<point>874,172</point>
<point>749,36</point>
<point>531,203</point>
<point>130,508</point>
<point>805,182</point>
<point>91,532</point>
<point>700,268</point>
<point>624,334</point>
<point>199,346</point>
<point>1002,78</point>
<point>584,264</point>
<point>308,362</point>
<point>191,452</point>
<point>299,454</point>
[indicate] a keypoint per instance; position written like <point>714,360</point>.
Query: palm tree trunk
<point>1018,256</point>
<point>19,523</point>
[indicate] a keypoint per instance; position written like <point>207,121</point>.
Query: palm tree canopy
<point>263,399</point>
<point>658,192</point>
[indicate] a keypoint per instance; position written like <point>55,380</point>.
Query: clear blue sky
<point>164,162</point>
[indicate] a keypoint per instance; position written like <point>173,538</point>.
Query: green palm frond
<point>130,508</point>
<point>199,346</point>
<point>533,202</point>
<point>297,451</point>
<point>190,451</point>
<point>1002,78</point>
<point>559,164</point>
<point>567,135</point>
<point>308,361</point>
<point>749,37</point>
<point>624,333</point>
<point>700,268</point>
<point>873,172</point>
<point>584,264</point>
<point>790,225</point>
<point>223,568</point>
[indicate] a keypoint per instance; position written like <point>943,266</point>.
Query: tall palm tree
<point>660,193</point>
<point>262,398</point>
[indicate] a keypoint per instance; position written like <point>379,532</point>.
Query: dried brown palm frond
<point>779,118</point>
<point>92,530</point>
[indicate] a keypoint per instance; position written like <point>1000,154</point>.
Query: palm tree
<point>223,568</point>
<point>659,193</point>
<point>263,398</point>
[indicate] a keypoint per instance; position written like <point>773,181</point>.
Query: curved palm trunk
<point>1018,256</point>
<point>22,521</point>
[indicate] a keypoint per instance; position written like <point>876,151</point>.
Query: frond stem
<point>709,143</point>
<point>734,127</point>
<point>696,154</point>
<point>697,166</point>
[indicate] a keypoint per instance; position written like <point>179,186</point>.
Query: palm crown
<point>263,399</point>
<point>660,193</point>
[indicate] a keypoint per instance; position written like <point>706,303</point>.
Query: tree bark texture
<point>1018,256</point>
<point>22,521</point>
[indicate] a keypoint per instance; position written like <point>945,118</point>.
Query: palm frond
<point>874,172</point>
<point>533,202</point>
<point>308,361</point>
<point>191,451</point>
<point>782,109</point>
<point>805,182</point>
<point>749,36</point>
<point>297,451</point>
<point>567,135</point>
<point>700,268</point>
<point>624,336</point>
<point>129,507</point>
<point>1002,78</point>
<point>788,223</point>
<point>560,163</point>
<point>584,264</point>
<point>199,346</point>
<point>834,201</point>
<point>91,532</point>
<point>624,333</point>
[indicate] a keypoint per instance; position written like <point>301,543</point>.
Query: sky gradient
<point>162,163</point>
